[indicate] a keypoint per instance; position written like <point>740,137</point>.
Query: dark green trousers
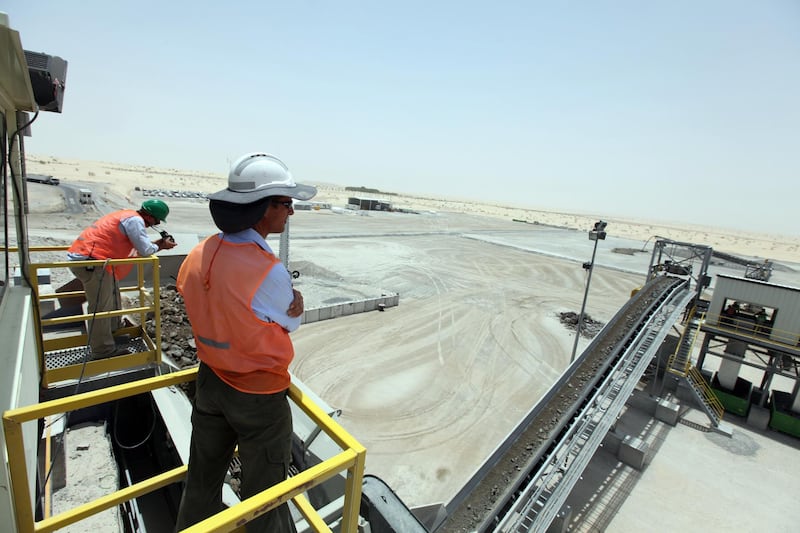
<point>261,424</point>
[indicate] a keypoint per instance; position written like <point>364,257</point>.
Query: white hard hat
<point>257,175</point>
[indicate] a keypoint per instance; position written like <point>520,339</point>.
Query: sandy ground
<point>476,338</point>
<point>121,179</point>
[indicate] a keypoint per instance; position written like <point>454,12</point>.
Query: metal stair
<point>705,396</point>
<point>680,361</point>
<point>680,364</point>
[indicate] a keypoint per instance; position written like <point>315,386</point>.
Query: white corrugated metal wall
<point>782,298</point>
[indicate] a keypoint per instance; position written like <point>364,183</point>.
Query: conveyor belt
<point>541,460</point>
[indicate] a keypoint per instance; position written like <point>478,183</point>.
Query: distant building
<point>85,196</point>
<point>300,205</point>
<point>368,204</point>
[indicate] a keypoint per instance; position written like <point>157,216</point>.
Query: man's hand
<point>165,244</point>
<point>296,308</point>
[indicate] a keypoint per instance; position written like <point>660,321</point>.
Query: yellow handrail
<point>708,394</point>
<point>674,356</point>
<point>748,328</point>
<point>351,458</point>
<point>74,371</point>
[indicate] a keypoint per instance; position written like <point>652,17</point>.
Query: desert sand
<point>431,386</point>
<point>121,180</point>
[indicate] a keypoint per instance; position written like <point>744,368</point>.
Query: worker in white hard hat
<point>242,306</point>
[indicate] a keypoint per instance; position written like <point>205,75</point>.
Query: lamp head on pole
<point>598,232</point>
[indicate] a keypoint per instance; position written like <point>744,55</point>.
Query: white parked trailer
<point>86,196</point>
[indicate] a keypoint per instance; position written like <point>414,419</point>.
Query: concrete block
<point>325,313</point>
<point>724,428</point>
<point>667,411</point>
<point>684,392</point>
<point>643,402</point>
<point>632,452</point>
<point>758,417</point>
<point>312,315</point>
<point>358,307</point>
<point>347,309</point>
<point>42,275</point>
<point>611,443</point>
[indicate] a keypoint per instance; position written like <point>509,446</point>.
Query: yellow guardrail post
<point>355,473</point>
<point>12,426</point>
<point>351,459</point>
<point>153,353</point>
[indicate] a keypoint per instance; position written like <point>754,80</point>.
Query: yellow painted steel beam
<point>90,398</point>
<point>326,423</point>
<point>350,459</point>
<point>111,500</point>
<point>18,474</point>
<point>99,262</point>
<point>14,418</point>
<point>352,494</point>
<point>355,476</point>
<point>97,316</point>
<point>274,496</point>
<point>61,295</point>
<point>310,514</point>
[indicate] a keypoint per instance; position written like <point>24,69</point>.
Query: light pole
<point>598,233</point>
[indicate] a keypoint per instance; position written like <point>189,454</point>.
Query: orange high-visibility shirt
<point>104,240</point>
<point>218,280</point>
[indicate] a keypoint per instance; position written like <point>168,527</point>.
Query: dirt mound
<point>589,327</point>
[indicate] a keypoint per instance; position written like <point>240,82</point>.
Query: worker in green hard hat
<point>156,209</point>
<point>118,235</point>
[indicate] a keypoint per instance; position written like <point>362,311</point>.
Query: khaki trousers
<point>102,294</point>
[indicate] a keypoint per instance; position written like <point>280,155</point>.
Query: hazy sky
<point>679,110</point>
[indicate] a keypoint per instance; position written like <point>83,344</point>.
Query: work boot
<point>122,340</point>
<point>118,350</point>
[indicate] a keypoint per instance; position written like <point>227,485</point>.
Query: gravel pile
<point>589,327</point>
<point>177,341</point>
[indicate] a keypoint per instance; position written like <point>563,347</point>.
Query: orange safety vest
<point>218,280</point>
<point>104,240</point>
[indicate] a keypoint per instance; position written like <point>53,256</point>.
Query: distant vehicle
<point>40,178</point>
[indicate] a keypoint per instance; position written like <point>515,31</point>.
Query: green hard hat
<point>156,208</point>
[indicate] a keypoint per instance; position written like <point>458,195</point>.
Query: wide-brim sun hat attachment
<point>257,175</point>
<point>233,218</point>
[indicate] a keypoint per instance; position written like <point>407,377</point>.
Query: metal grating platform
<point>76,356</point>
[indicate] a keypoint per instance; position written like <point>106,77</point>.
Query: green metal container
<point>782,419</point>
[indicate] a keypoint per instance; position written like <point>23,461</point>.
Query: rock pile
<point>589,327</point>
<point>177,341</point>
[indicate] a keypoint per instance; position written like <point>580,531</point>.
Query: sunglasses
<point>285,203</point>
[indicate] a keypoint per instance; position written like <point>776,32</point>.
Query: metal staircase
<point>680,364</point>
<point>705,396</point>
<point>680,361</point>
